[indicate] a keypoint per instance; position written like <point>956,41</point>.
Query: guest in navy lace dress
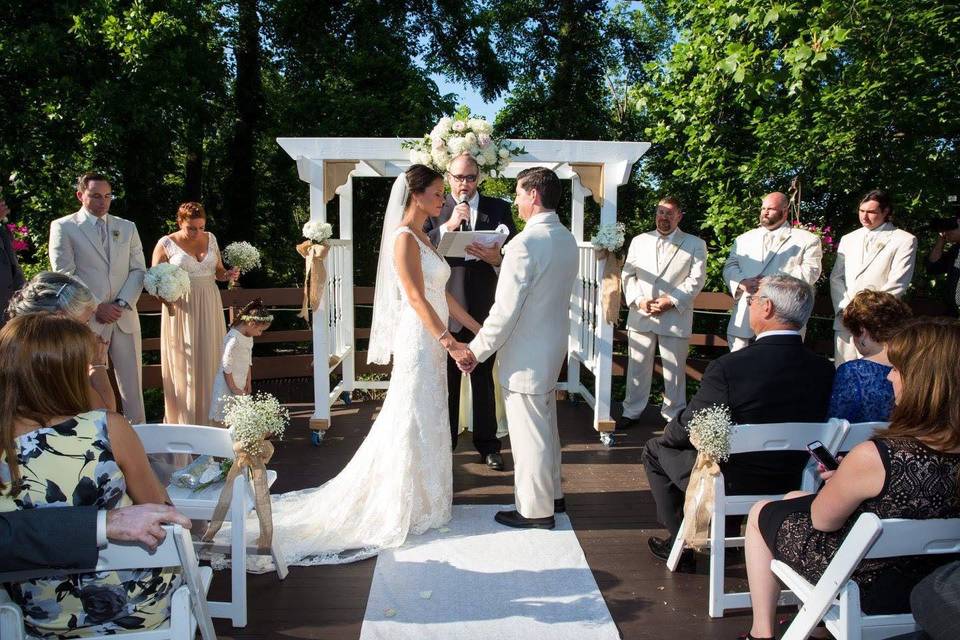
<point>909,470</point>
<point>861,391</point>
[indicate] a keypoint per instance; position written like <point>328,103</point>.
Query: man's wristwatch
<point>122,303</point>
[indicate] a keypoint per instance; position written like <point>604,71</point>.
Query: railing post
<point>348,368</point>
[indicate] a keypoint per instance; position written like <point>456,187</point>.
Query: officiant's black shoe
<point>560,505</point>
<point>514,519</point>
<point>494,461</point>
<point>660,548</point>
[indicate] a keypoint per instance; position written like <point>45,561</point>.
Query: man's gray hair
<point>791,297</point>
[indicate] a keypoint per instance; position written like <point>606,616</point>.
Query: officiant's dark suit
<point>775,379</point>
<point>473,284</point>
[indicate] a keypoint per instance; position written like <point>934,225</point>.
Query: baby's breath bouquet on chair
<point>710,433</point>
<point>607,241</point>
<point>242,255</point>
<point>251,421</point>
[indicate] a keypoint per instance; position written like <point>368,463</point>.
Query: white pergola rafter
<point>596,169</point>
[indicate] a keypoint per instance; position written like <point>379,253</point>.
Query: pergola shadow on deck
<point>608,502</point>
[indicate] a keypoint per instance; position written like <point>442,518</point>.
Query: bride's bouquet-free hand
<point>243,256</point>
<point>166,281</point>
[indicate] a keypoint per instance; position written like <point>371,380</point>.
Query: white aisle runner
<point>476,579</point>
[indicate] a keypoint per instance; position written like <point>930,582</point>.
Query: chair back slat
<point>783,436</point>
<point>901,537</point>
<point>860,432</point>
<point>185,438</point>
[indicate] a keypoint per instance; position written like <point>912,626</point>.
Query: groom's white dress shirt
<point>528,326</point>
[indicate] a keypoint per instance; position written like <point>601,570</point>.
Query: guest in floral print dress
<point>58,453</point>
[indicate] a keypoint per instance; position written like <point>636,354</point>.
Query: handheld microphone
<point>464,225</point>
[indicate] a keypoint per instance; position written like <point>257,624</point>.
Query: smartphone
<point>822,455</point>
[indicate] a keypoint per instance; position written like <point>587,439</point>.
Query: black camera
<point>952,219</point>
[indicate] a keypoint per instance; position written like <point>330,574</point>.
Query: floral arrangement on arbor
<point>710,433</point>
<point>608,239</point>
<point>314,251</point>
<point>166,281</point>
<point>21,236</point>
<point>242,255</point>
<point>455,135</point>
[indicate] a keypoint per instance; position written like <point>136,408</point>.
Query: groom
<point>528,324</point>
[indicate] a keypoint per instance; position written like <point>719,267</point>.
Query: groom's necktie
<point>104,241</point>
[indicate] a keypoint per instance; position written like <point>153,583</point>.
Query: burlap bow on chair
<point>610,286</point>
<point>315,279</point>
<point>256,462</point>
<point>698,502</point>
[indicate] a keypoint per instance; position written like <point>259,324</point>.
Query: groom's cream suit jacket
<point>680,278</point>
<point>794,252</point>
<point>529,322</point>
<point>888,266</point>
<point>75,249</point>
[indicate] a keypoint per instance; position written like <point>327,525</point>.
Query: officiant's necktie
<point>104,241</point>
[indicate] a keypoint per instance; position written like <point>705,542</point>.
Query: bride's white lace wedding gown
<point>400,481</point>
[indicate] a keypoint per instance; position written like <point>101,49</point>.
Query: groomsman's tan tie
<point>104,240</point>
<point>662,244</point>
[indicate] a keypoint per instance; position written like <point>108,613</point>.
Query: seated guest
<point>56,452</point>
<point>71,537</point>
<point>53,292</point>
<point>776,379</point>
<point>907,471</point>
<point>861,391</point>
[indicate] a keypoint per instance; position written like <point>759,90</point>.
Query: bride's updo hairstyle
<point>419,179</point>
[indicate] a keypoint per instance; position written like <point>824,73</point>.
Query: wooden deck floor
<point>607,499</point>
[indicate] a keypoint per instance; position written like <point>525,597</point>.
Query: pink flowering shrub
<point>20,234</point>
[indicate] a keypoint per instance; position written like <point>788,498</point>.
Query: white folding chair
<point>188,603</point>
<point>860,432</point>
<point>754,438</point>
<point>216,442</point>
<point>835,598</point>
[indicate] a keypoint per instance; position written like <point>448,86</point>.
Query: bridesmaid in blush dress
<point>192,328</point>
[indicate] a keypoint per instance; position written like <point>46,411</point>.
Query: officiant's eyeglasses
<point>470,177</point>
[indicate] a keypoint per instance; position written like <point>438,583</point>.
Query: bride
<point>400,481</point>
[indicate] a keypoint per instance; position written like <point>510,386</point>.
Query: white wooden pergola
<point>594,168</point>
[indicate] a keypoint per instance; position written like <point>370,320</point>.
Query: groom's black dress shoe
<point>660,548</point>
<point>514,519</point>
<point>560,505</point>
<point>494,461</point>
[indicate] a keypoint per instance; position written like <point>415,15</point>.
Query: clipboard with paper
<point>453,244</point>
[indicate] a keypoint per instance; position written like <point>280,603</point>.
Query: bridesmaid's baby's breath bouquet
<point>242,255</point>
<point>252,419</point>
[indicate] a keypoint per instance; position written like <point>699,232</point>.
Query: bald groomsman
<point>876,256</point>
<point>773,247</point>
<point>663,273</point>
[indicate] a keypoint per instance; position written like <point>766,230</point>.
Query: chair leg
<point>676,550</point>
<point>182,621</point>
<point>278,561</point>
<point>718,549</point>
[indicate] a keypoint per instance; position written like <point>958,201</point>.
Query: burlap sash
<point>698,502</point>
<point>315,279</point>
<point>256,463</point>
<point>610,286</point>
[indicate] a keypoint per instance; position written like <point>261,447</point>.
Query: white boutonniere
<point>116,234</point>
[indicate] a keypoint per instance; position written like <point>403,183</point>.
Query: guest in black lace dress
<point>911,470</point>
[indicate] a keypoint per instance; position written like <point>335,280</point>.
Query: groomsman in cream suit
<point>104,252</point>
<point>663,273</point>
<point>876,256</point>
<point>773,247</point>
<point>528,326</point>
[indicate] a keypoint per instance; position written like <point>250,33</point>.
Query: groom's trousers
<point>535,442</point>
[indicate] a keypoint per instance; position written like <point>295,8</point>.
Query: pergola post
<point>348,366</point>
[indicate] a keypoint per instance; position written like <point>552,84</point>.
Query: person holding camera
<point>942,260</point>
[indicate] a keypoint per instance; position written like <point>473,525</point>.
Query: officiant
<point>473,282</point>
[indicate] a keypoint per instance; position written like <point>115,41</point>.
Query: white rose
<point>504,153</point>
<point>474,150</point>
<point>459,125</point>
<point>422,158</point>
<point>439,158</point>
<point>455,145</point>
<point>479,125</point>
<point>482,160</point>
<point>470,139</point>
<point>442,128</point>
<point>484,140</point>
<point>490,154</point>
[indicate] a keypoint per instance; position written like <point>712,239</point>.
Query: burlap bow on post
<point>315,279</point>
<point>610,286</point>
<point>698,501</point>
<point>256,462</point>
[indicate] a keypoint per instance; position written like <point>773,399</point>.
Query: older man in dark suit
<point>775,379</point>
<point>473,283</point>
<point>11,276</point>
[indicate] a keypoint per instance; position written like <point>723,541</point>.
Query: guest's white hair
<point>52,292</point>
<point>791,297</point>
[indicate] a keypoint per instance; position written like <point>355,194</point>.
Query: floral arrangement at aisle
<point>608,239</point>
<point>242,255</point>
<point>251,420</point>
<point>710,433</point>
<point>314,251</point>
<point>166,281</point>
<point>458,134</point>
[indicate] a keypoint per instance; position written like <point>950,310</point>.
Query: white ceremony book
<point>453,244</point>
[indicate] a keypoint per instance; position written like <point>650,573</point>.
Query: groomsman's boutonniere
<point>116,234</point>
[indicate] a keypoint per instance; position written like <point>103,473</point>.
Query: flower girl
<point>236,362</point>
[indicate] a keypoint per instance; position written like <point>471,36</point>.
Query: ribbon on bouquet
<point>698,501</point>
<point>256,462</point>
<point>315,279</point>
<point>610,286</point>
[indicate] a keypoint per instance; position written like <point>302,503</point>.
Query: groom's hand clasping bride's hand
<point>464,357</point>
